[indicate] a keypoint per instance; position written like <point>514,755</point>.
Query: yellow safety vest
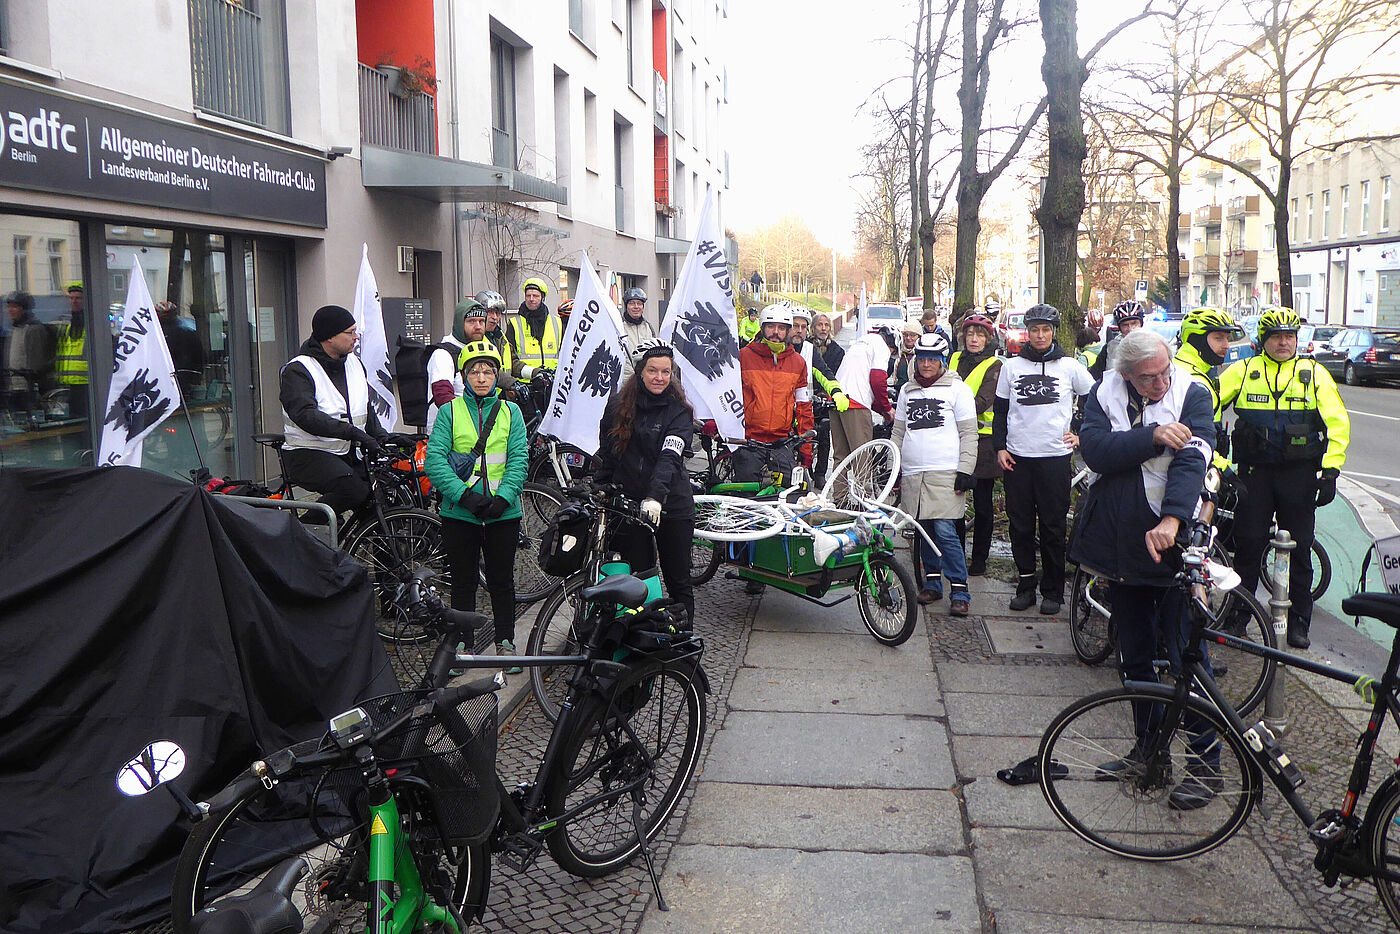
<point>1285,412</point>
<point>974,382</point>
<point>533,352</point>
<point>71,361</point>
<point>464,435</point>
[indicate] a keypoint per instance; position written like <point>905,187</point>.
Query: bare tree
<point>1295,84</point>
<point>883,212</point>
<point>515,246</point>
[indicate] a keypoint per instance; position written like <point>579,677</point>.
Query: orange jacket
<point>776,393</point>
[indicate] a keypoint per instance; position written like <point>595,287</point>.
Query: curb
<point>1373,518</point>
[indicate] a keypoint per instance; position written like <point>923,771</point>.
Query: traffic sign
<point>1140,290</point>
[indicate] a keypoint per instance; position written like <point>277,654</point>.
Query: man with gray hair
<point>1148,432</point>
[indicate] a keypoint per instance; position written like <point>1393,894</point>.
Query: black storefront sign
<point>54,143</point>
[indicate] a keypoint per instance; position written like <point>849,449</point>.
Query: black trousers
<point>670,548</point>
<point>341,479</point>
<point>819,463</point>
<point>1288,491</point>
<point>464,544</point>
<point>981,522</point>
<point>755,465</point>
<point>1037,495</point>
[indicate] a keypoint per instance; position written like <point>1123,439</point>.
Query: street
<point>1374,457</point>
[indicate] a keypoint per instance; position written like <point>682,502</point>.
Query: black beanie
<point>330,320</point>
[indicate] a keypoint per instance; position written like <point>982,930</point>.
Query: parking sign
<point>1140,290</point>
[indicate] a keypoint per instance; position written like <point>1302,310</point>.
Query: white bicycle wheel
<point>867,475</point>
<point>721,518</point>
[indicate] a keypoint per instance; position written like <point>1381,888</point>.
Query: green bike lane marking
<point>1347,543</point>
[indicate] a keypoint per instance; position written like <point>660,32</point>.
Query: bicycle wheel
<point>1322,569</point>
<point>556,632</point>
<point>639,752</point>
<point>885,600</point>
<point>866,475</point>
<point>538,504</point>
<point>704,561</point>
<point>720,518</point>
<point>1382,835</point>
<point>1090,630</point>
<point>1111,790</point>
<point>229,855</point>
<point>409,537</point>
<point>1244,678</point>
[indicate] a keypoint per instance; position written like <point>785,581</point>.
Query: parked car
<point>1171,330</point>
<point>1362,355</point>
<point>882,313</point>
<point>1314,338</point>
<point>1011,331</point>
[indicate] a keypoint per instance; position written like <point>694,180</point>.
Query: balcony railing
<point>502,149</point>
<point>1208,216</point>
<point>1184,268</point>
<point>1243,205</point>
<point>227,59</point>
<point>1246,260</point>
<point>620,207</point>
<point>395,122</point>
<point>1246,154</point>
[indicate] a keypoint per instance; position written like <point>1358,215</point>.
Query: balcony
<point>658,91</point>
<point>1208,216</point>
<point>1184,268</point>
<point>1244,205</point>
<point>1247,154</point>
<point>1183,222</point>
<point>386,119</point>
<point>1245,260</point>
<point>1207,265</point>
<point>233,77</point>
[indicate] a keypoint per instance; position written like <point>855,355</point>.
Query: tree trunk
<point>1063,203</point>
<point>970,100</point>
<point>1281,232</point>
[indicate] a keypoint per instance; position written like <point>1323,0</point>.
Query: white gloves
<point>651,509</point>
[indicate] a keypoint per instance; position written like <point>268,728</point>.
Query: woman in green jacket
<point>480,486</point>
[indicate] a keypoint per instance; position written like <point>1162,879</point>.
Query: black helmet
<point>632,294</point>
<point>1131,310</point>
<point>1042,314</point>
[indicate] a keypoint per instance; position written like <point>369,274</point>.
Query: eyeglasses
<point>1153,379</point>
<point>482,369</point>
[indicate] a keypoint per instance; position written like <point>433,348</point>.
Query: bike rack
<point>332,522</point>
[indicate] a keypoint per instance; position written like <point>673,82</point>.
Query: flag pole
<point>189,421</point>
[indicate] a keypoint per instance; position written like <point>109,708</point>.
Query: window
<point>238,58</point>
<point>502,103</point>
<point>1326,214</point>
<point>1365,207</point>
<point>1385,203</point>
<point>680,188</point>
<point>590,131</point>
<point>1269,236</point>
<point>1310,219</point>
<point>677,92</point>
<point>622,169</point>
<point>576,17</point>
<point>1346,211</point>
<point>56,277</point>
<point>629,30</point>
<point>21,245</point>
<point>563,139</point>
<point>1293,219</point>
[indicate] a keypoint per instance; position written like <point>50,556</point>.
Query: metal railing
<point>396,122</point>
<point>226,54</point>
<point>502,149</point>
<point>620,206</point>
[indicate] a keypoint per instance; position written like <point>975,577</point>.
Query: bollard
<point>1275,712</point>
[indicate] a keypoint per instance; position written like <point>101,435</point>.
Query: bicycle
<point>629,739</point>
<point>1131,807</point>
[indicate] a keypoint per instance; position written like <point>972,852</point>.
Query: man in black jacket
<point>325,407</point>
<point>1148,432</point>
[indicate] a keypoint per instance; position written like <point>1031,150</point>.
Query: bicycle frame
<point>391,865</point>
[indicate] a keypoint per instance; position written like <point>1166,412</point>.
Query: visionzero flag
<point>592,364</point>
<point>700,325</point>
<point>144,392</point>
<point>373,348</point>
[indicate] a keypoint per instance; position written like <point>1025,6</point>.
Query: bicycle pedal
<point>519,851</point>
<point>1328,828</point>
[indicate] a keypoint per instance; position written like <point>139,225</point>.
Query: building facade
<point>244,150</point>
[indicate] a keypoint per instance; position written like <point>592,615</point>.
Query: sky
<point>799,73</point>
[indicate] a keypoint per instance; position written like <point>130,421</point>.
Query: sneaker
<point>1130,768</point>
<point>1049,606</point>
<point>1023,600</point>
<point>927,596</point>
<point>1199,788</point>
<point>960,607</point>
<point>506,647</point>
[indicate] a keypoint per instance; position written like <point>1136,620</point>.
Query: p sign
<point>1140,290</point>
<point>1388,551</point>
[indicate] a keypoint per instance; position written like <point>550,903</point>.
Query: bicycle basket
<point>453,751</point>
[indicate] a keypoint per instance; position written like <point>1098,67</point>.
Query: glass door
<point>271,315</point>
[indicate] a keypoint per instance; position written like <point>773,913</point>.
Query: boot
<point>1298,636</point>
<point>1025,593</point>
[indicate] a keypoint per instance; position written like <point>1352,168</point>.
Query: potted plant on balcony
<point>407,80</point>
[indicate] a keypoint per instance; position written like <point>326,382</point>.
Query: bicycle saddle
<point>1382,606</point>
<point>274,440</point>
<point>620,588</point>
<point>267,909</point>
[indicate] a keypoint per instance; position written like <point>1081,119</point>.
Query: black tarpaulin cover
<point>136,607</point>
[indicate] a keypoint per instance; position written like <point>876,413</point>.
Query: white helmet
<point>778,313</point>
<point>932,344</point>
<point>802,312</point>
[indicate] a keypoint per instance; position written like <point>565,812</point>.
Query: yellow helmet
<point>535,283</point>
<point>479,350</point>
<point>1276,319</point>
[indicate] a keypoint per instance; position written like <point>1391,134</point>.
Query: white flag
<point>593,362</point>
<point>860,313</point>
<point>144,392</point>
<point>373,348</point>
<point>700,325</point>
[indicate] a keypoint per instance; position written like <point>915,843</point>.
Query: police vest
<point>1278,421</point>
<point>973,381</point>
<point>70,363</point>
<point>537,352</point>
<point>465,433</point>
<point>331,402</point>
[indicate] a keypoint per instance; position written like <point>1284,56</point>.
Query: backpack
<point>411,365</point>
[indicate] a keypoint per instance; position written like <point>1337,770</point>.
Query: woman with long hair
<point>645,433</point>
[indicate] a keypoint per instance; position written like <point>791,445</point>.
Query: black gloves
<point>498,507</point>
<point>963,482</point>
<point>400,440</point>
<point>1327,486</point>
<point>476,503</point>
<point>363,438</point>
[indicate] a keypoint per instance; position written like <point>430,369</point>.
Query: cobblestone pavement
<point>1319,739</point>
<point>545,898</point>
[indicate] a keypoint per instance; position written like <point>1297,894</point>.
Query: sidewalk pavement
<point>851,787</point>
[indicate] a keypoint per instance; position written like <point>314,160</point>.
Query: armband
<point>673,445</point>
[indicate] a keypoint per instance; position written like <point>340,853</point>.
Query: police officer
<point>70,361</point>
<point>635,326</point>
<point>325,407</point>
<point>1205,339</point>
<point>535,334</point>
<point>1290,440</point>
